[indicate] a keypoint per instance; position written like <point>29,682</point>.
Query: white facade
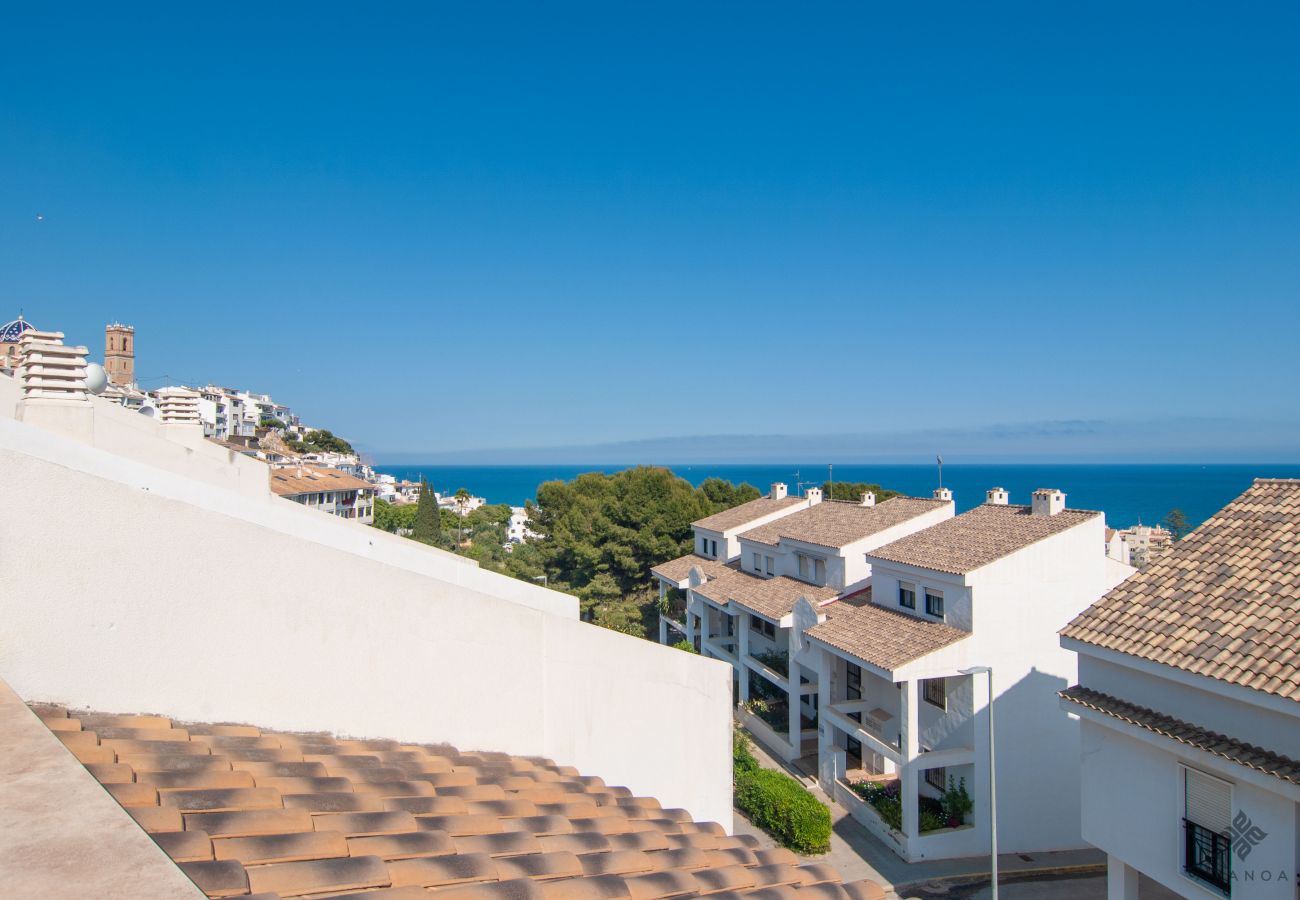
<point>379,636</point>
<point>517,530</point>
<point>758,644</point>
<point>1134,781</point>
<point>924,722</point>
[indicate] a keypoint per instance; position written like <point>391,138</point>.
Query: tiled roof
<point>746,512</point>
<point>1220,745</point>
<point>679,569</point>
<point>837,523</point>
<point>978,537</point>
<point>293,480</point>
<point>243,811</point>
<point>770,597</point>
<point>884,637</point>
<point>1224,602</point>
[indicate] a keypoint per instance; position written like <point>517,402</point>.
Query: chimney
<point>943,494</point>
<point>814,496</point>
<point>1048,502</point>
<point>779,491</point>
<point>996,496</point>
<point>868,499</point>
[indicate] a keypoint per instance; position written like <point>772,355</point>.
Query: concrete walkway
<point>857,853</point>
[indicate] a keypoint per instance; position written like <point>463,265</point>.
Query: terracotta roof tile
<point>837,523</point>
<point>315,820</point>
<point>1231,749</point>
<point>978,537</point>
<point>293,480</point>
<point>884,637</point>
<point>1224,602</point>
<point>679,569</point>
<point>770,597</point>
<point>752,511</point>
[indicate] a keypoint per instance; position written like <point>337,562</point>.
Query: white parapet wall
<point>129,587</point>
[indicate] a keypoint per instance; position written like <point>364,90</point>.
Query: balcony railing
<point>1206,857</point>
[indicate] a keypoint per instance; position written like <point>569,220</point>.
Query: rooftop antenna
<point>830,477</point>
<point>939,459</point>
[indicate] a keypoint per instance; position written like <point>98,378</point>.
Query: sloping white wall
<point>116,593</point>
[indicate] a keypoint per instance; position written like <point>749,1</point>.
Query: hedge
<point>778,804</point>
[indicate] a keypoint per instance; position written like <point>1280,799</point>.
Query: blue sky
<point>440,227</point>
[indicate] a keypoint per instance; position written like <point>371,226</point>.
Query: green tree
<point>322,441</point>
<point>427,528</point>
<point>853,490</point>
<point>392,518</point>
<point>1176,522</point>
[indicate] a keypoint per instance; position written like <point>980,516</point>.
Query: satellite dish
<point>96,380</point>
<point>146,411</point>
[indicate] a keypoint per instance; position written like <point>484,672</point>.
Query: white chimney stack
<point>1048,502</point>
<point>943,494</point>
<point>996,496</point>
<point>779,491</point>
<point>814,496</point>
<point>868,499</point>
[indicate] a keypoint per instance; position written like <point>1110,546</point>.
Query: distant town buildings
<point>517,530</point>
<point>10,335</point>
<point>327,490</point>
<point>1139,545</point>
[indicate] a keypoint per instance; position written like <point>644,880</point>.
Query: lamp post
<point>993,783</point>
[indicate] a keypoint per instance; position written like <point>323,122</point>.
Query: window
<point>704,546</point>
<point>812,569</point>
<point>935,691</point>
<point>906,595</point>
<point>758,562</point>
<point>853,681</point>
<point>1207,815</point>
<point>771,565</point>
<point>934,603</point>
<point>763,627</point>
<point>713,549</point>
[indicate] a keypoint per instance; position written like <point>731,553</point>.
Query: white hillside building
<point>717,548</point>
<point>989,588</point>
<point>1188,701</point>
<point>744,617</point>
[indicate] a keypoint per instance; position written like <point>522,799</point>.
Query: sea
<point>1128,494</point>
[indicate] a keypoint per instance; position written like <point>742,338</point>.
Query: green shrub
<point>686,645</point>
<point>957,803</point>
<point>781,806</point>
<point>743,760</point>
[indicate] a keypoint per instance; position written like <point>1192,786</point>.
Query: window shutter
<point>1209,801</point>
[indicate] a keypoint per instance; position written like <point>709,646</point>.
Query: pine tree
<point>428,519</point>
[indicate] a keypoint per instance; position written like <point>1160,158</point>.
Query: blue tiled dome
<point>10,332</point>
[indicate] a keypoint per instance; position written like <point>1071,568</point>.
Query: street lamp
<point>542,578</point>
<point>993,783</point>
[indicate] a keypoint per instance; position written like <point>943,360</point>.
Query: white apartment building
<point>327,490</point>
<point>517,530</point>
<point>227,412</point>
<point>903,702</point>
<point>1188,709</point>
<point>716,550</point>
<point>744,617</point>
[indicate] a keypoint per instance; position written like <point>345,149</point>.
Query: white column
<point>742,655</point>
<point>825,731</point>
<point>1121,880</point>
<point>792,683</point>
<point>910,752</point>
<point>690,617</point>
<point>663,629</point>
